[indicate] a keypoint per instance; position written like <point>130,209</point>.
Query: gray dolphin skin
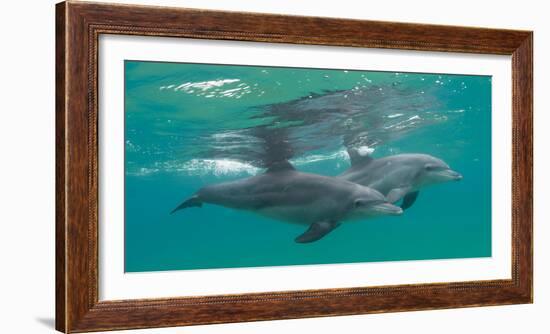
<point>285,194</point>
<point>398,176</point>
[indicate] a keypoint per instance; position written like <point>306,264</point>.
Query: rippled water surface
<point>191,125</point>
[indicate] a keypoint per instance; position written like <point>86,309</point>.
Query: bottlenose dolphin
<point>398,176</point>
<point>286,194</point>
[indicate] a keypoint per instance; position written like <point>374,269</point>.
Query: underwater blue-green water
<point>192,125</point>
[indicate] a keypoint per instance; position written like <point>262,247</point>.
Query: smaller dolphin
<point>398,176</point>
<point>285,194</point>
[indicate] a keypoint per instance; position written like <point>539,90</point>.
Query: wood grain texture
<point>78,28</point>
<point>60,226</point>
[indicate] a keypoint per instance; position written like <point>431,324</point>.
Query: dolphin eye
<point>359,203</point>
<point>430,167</point>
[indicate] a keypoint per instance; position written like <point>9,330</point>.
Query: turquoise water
<point>191,125</point>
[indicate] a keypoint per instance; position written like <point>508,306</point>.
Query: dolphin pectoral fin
<point>191,202</point>
<point>396,194</point>
<point>316,231</point>
<point>409,200</point>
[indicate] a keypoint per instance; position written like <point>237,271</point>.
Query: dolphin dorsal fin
<point>360,155</point>
<point>279,166</point>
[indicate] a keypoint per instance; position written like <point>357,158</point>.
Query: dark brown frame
<point>78,25</point>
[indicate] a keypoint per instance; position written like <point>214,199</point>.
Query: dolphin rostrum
<point>286,194</point>
<point>398,176</point>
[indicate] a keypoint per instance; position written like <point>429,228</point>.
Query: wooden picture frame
<point>78,26</point>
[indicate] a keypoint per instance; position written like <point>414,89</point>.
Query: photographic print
<point>233,166</point>
<point>216,167</point>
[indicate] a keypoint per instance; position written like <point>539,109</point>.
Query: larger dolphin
<point>286,194</point>
<point>398,176</point>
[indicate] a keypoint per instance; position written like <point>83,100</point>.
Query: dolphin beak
<point>455,175</point>
<point>387,209</point>
<point>451,175</point>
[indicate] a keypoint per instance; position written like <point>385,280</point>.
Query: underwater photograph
<point>234,166</point>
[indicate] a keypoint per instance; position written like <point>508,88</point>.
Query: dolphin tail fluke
<point>316,231</point>
<point>191,202</point>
